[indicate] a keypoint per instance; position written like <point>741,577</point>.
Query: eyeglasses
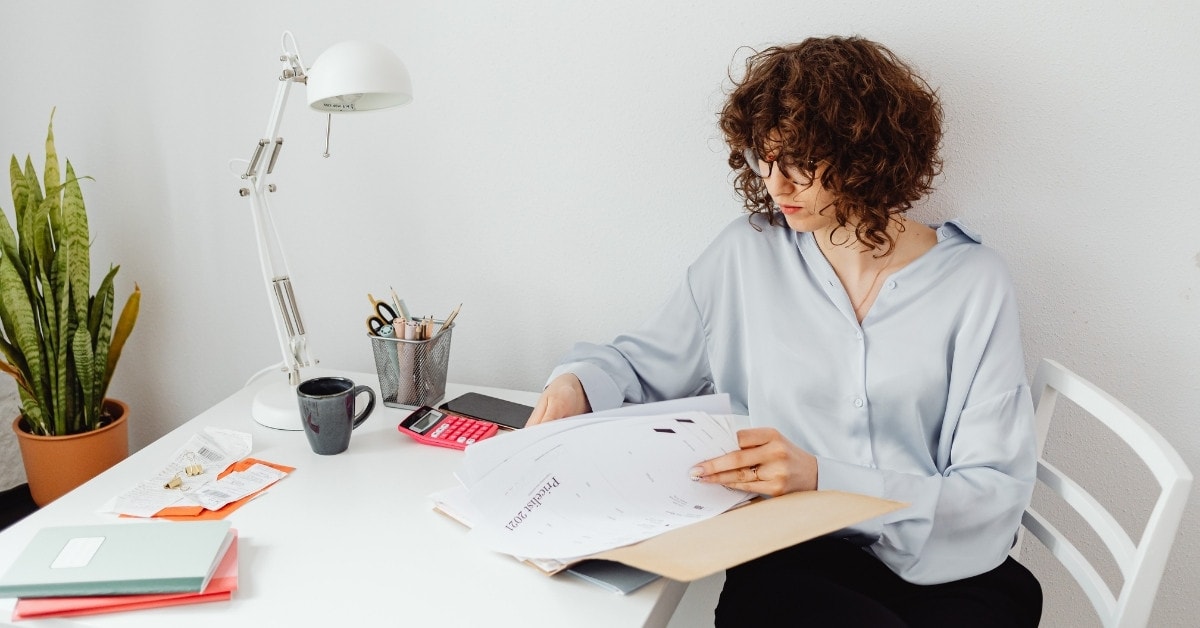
<point>763,168</point>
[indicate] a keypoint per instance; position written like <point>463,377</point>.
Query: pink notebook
<point>220,587</point>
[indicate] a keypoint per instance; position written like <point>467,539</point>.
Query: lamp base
<point>275,406</point>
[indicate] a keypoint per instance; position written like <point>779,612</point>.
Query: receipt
<point>194,465</point>
<point>234,486</point>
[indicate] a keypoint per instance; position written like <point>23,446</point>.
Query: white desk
<point>351,540</point>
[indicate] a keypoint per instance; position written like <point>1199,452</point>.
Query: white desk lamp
<point>349,77</point>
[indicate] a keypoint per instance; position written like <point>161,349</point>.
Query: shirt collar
<point>951,228</point>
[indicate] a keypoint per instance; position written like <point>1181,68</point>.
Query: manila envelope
<point>748,532</point>
<point>741,534</point>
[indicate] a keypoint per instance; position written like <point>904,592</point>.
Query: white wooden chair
<point>1142,562</point>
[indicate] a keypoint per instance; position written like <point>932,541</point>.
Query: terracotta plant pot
<point>54,465</point>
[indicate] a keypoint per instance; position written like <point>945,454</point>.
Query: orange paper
<point>198,513</point>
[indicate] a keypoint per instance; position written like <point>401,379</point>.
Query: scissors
<point>382,315</point>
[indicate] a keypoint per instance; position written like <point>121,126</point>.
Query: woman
<point>872,353</point>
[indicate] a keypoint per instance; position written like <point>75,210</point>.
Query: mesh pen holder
<point>412,373</point>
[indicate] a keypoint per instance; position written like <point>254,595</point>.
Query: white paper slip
<point>234,486</point>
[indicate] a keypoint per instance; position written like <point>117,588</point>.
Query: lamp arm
<point>289,326</point>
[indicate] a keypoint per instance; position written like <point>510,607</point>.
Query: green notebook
<point>118,559</point>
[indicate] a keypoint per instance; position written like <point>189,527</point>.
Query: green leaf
<point>33,190</point>
<point>74,240</point>
<point>14,360</point>
<point>23,333</point>
<point>8,251</point>
<point>57,330</point>
<point>52,180</point>
<point>15,372</point>
<point>8,244</point>
<point>102,314</point>
<point>20,187</point>
<point>26,217</point>
<point>81,347</point>
<point>124,326</point>
<point>34,414</point>
<point>43,232</point>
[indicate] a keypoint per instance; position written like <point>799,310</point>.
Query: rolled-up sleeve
<point>665,358</point>
<point>960,522</point>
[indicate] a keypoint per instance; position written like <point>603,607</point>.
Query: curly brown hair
<point>847,103</point>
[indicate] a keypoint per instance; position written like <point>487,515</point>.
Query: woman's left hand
<point>767,463</point>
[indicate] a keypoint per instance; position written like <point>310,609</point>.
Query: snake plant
<point>58,340</point>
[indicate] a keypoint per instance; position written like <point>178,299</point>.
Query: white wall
<point>560,166</point>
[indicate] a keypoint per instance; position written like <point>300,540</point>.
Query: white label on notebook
<point>78,552</point>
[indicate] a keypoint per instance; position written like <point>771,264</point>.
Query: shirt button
<point>891,285</point>
<point>858,334</point>
<point>858,402</point>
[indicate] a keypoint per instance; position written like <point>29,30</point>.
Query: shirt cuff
<point>835,475</point>
<point>602,393</point>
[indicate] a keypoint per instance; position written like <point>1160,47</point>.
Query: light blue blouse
<point>926,402</point>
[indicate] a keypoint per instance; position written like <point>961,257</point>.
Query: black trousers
<point>831,582</point>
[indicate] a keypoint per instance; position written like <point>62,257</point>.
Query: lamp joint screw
<point>271,187</point>
<point>244,192</point>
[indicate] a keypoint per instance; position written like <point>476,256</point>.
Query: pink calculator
<point>434,427</point>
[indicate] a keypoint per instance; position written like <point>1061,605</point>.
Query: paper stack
<point>618,489</point>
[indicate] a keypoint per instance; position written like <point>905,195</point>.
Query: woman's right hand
<point>563,397</point>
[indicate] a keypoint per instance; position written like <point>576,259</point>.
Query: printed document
<point>575,487</point>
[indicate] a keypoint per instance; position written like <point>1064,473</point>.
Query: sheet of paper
<point>713,404</point>
<point>602,485</point>
<point>455,502</point>
<point>485,455</point>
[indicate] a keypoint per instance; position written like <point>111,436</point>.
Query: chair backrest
<point>1141,563</point>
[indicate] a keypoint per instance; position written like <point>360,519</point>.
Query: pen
<point>398,304</point>
<point>449,319</point>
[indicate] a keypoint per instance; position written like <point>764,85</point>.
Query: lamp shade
<point>358,76</point>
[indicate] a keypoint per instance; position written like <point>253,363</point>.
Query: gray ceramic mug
<point>327,412</point>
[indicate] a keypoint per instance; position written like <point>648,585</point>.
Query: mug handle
<point>362,416</point>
